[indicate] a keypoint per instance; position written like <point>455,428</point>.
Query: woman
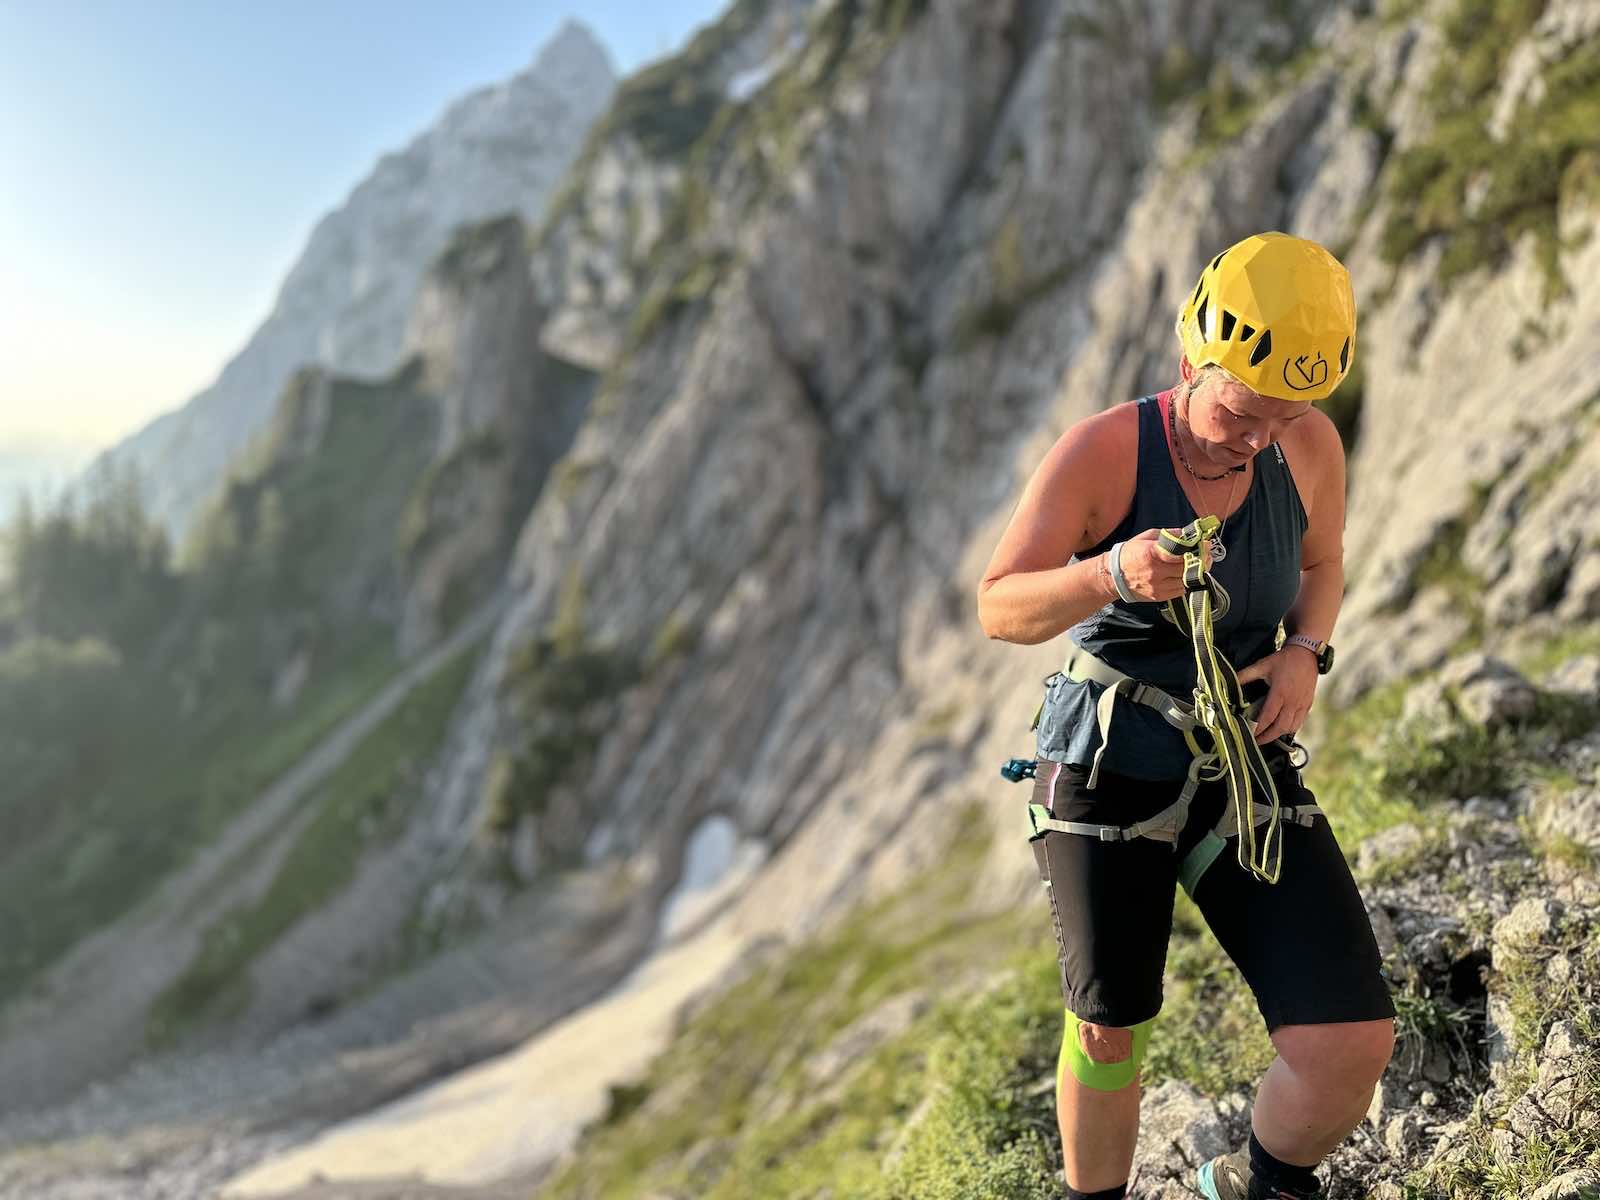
<point>1269,328</point>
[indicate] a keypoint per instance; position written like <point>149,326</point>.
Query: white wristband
<point>1118,579</point>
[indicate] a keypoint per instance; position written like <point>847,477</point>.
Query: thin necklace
<point>1172,423</point>
<point>1218,550</point>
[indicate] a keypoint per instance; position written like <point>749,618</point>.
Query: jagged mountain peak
<point>346,301</point>
<point>575,49</point>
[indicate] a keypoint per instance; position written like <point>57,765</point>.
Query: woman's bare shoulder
<point>1315,453</point>
<point>1100,455</point>
<point>1109,435</point>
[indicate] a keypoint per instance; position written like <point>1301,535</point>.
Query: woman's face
<point>1232,424</point>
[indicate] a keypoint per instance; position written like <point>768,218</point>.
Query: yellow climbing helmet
<point>1276,312</point>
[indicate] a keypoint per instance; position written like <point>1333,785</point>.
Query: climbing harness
<point>1218,710</point>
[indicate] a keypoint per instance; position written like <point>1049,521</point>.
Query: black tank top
<point>1261,571</point>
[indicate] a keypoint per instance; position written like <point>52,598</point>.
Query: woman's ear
<point>1184,369</point>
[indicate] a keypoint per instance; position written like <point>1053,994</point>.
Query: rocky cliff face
<point>345,303</point>
<point>940,234</point>
<point>608,232</point>
<point>884,291</point>
<point>839,306</point>
<point>508,412</point>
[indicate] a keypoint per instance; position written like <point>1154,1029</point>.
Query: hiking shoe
<point>1227,1177</point>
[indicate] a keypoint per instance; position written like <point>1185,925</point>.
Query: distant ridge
<point>345,302</point>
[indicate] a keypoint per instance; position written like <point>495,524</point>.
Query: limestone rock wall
<point>805,455</point>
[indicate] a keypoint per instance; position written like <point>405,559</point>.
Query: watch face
<point>1325,660</point>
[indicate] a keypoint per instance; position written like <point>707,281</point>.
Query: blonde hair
<point>1200,376</point>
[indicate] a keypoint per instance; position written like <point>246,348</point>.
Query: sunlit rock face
<point>345,303</point>
<point>831,323</point>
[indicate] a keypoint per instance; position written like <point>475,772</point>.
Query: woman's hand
<point>1291,676</point>
<point>1152,573</point>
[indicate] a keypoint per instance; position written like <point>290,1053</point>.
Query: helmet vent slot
<point>1344,357</point>
<point>1227,324</point>
<point>1217,260</point>
<point>1246,332</point>
<point>1263,348</point>
<point>1200,317</point>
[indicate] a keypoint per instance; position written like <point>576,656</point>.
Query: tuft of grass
<point>1491,1161</point>
<point>674,295</point>
<point>1422,1021</point>
<point>989,1133</point>
<point>1536,1001</point>
<point>1348,770</point>
<point>1560,848</point>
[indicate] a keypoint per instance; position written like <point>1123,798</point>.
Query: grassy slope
<point>364,802</point>
<point>289,530</point>
<point>961,1104</point>
<point>117,846</point>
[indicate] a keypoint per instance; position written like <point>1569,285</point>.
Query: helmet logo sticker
<point>1302,375</point>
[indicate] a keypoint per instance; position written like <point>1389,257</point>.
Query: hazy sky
<point>162,164</point>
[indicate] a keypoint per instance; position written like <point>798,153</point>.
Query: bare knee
<point>1351,1054</point>
<point>1104,1058</point>
<point>1105,1043</point>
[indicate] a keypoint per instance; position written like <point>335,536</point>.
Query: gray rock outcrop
<point>835,340</point>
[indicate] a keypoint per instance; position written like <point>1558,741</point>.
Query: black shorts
<point>1303,944</point>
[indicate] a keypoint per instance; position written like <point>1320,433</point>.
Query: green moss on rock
<point>1479,195</point>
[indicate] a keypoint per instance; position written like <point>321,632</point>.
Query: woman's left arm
<point>1316,608</point>
<point>1291,673</point>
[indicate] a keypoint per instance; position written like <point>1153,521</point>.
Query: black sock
<point>1116,1193</point>
<point>1273,1175</point>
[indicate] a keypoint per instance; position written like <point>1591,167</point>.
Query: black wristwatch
<point>1322,650</point>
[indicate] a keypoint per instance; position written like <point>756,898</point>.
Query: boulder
<point>1399,843</point>
<point>1581,600</point>
<point>1524,927</point>
<point>1581,1184</point>
<point>1178,1130</point>
<point>1578,677</point>
<point>1428,708</point>
<point>1572,816</point>
<point>1489,692</point>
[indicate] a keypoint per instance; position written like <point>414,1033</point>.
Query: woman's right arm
<point>1031,591</point>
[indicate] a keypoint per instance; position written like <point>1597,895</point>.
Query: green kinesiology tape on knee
<point>1103,1077</point>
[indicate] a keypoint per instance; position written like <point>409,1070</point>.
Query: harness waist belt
<point>1218,708</point>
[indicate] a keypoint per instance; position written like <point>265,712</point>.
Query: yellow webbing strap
<point>1219,705</point>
